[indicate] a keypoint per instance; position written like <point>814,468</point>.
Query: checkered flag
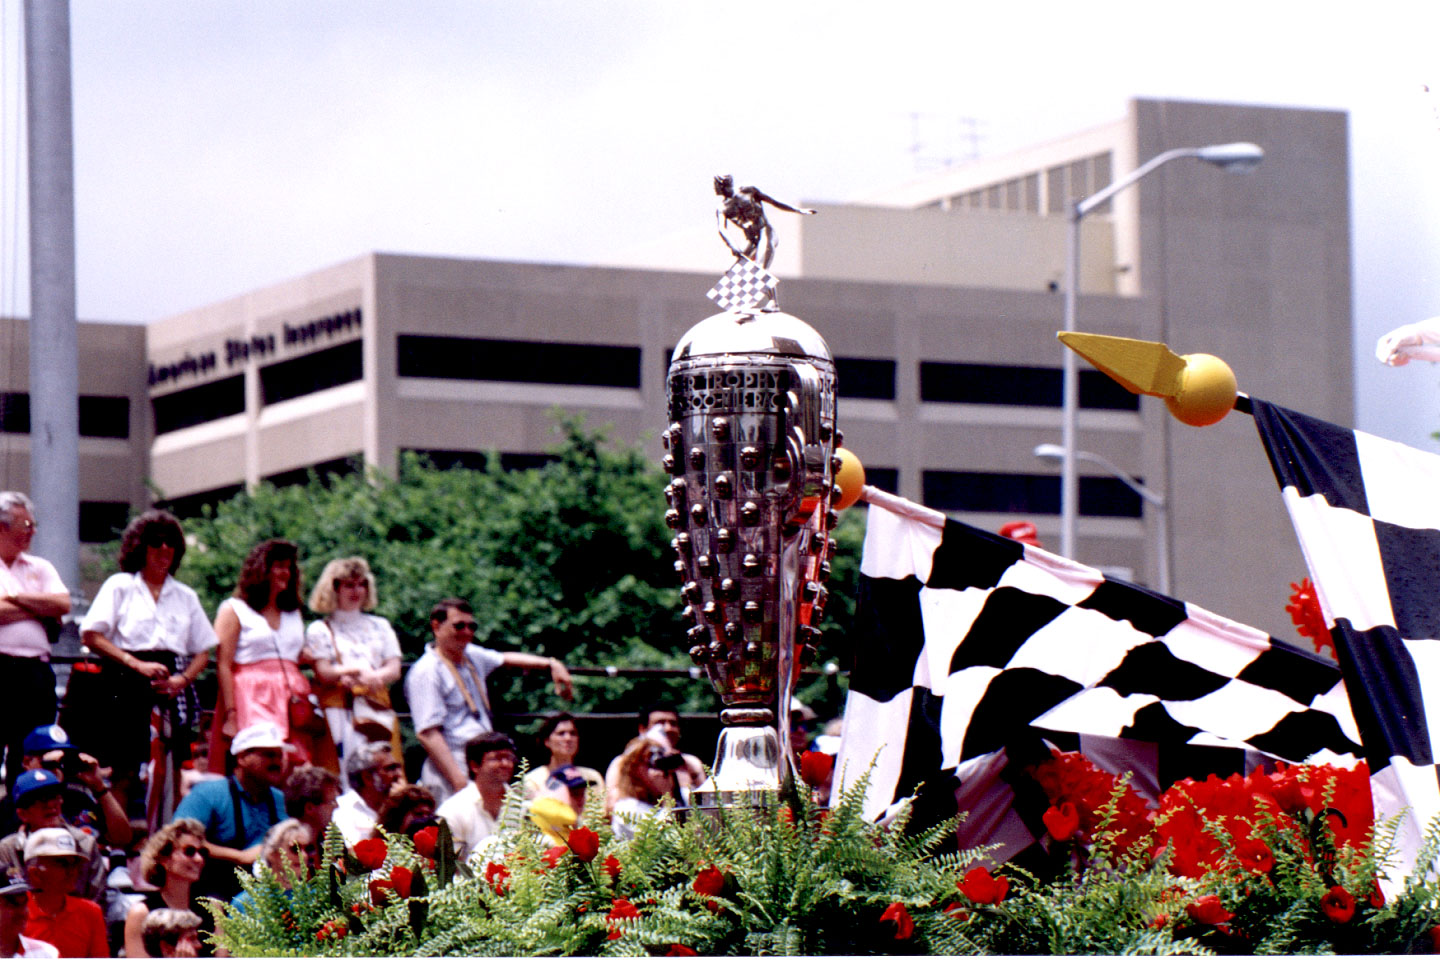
<point>1367,515</point>
<point>964,640</point>
<point>745,286</point>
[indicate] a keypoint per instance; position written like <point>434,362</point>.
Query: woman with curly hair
<point>647,775</point>
<point>262,643</point>
<point>357,657</point>
<point>154,640</point>
<point>172,861</point>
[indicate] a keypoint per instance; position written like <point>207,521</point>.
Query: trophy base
<point>748,769</point>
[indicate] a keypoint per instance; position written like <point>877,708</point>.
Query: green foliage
<point>570,559</point>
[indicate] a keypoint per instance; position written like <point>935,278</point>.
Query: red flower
<point>709,882</point>
<point>498,876</point>
<point>679,950</point>
<point>898,915</point>
<point>336,929</point>
<point>816,768</point>
<point>1209,909</point>
<point>981,887</point>
<point>371,853</point>
<point>611,866</point>
<point>957,911</point>
<point>402,877</point>
<point>1338,905</point>
<point>553,855</point>
<point>1435,939</point>
<point>1254,855</point>
<point>1061,822</point>
<point>378,889</point>
<point>425,841</point>
<point>584,843</point>
<point>1309,619</point>
<point>1160,921</point>
<point>620,909</point>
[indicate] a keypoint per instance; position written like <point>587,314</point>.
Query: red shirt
<point>78,930</point>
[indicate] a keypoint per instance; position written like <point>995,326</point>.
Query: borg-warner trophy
<point>751,452</point>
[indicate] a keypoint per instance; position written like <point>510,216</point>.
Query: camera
<point>666,762</point>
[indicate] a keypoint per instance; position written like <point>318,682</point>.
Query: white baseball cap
<point>51,842</point>
<point>259,736</point>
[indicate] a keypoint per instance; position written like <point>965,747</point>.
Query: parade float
<point>1287,859</point>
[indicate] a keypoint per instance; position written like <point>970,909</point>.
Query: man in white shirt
<point>14,912</point>
<point>373,773</point>
<point>474,812</point>
<point>30,594</point>
<point>449,700</point>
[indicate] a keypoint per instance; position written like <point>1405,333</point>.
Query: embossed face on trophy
<point>750,449</point>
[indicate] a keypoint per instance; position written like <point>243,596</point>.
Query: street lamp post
<point>1053,451</point>
<point>1239,157</point>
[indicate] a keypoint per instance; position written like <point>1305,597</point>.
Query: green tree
<point>570,559</point>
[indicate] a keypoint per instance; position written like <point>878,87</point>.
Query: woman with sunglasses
<point>357,657</point>
<point>172,860</point>
<point>154,640</point>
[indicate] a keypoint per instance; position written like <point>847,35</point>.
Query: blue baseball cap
<point>44,739</point>
<point>32,781</point>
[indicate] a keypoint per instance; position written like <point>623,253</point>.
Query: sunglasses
<point>158,538</point>
<point>465,626</point>
<point>191,850</point>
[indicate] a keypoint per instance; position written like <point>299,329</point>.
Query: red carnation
<point>584,843</point>
<point>553,855</point>
<point>425,841</point>
<point>816,768</point>
<point>1209,909</point>
<point>378,889</point>
<point>611,866</point>
<point>1255,855</point>
<point>1338,905</point>
<point>679,950</point>
<point>709,882</point>
<point>981,887</point>
<point>498,876</point>
<point>1061,822</point>
<point>898,915</point>
<point>957,911</point>
<point>620,909</point>
<point>401,877</point>
<point>371,853</point>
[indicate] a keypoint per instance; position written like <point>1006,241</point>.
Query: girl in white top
<point>262,642</point>
<point>356,654</point>
<point>155,640</point>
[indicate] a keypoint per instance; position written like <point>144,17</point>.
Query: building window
<point>196,405</point>
<point>979,492</point>
<point>1017,386</point>
<point>99,416</point>
<point>883,478</point>
<point>518,361</point>
<point>194,504</point>
<point>479,459</point>
<point>865,379</point>
<point>102,520</point>
<point>312,372</point>
<point>325,470</point>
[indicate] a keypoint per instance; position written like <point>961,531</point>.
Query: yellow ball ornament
<point>850,477</point>
<point>1207,391</point>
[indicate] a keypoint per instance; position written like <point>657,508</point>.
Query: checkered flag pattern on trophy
<point>745,286</point>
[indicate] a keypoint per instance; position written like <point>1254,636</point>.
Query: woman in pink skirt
<point>262,641</point>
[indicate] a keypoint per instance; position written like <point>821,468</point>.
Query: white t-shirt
<point>353,817</point>
<point>129,616</point>
<point>350,638</point>
<point>469,821</point>
<point>259,641</point>
<point>28,574</point>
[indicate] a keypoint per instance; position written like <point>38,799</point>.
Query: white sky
<point>221,145</point>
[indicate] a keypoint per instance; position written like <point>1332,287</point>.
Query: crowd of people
<point>118,823</point>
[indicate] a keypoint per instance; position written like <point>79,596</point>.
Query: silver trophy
<point>750,449</point>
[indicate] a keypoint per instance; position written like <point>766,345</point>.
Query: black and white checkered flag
<point>745,286</point>
<point>1367,514</point>
<point>965,639</point>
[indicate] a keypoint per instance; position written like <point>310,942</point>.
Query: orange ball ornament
<point>850,477</point>
<point>1206,391</point>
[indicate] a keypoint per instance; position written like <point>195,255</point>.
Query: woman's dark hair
<point>151,528</point>
<point>548,727</point>
<point>401,803</point>
<point>254,585</point>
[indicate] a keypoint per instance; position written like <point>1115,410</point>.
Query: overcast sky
<point>221,145</point>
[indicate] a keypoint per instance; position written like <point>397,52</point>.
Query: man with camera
<point>660,723</point>
<point>86,798</point>
<point>39,803</point>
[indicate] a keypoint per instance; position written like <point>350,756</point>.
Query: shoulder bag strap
<point>239,819</point>
<point>464,691</point>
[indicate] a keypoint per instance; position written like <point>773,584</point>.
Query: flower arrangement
<point>1272,863</point>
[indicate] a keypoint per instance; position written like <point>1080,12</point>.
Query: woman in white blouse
<point>155,638</point>
<point>262,642</point>
<point>355,653</point>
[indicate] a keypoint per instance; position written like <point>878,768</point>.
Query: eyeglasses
<point>190,850</point>
<point>158,538</point>
<point>465,626</point>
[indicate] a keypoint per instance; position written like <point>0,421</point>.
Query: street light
<point>1053,451</point>
<point>1237,157</point>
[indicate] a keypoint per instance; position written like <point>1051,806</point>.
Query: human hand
<point>151,671</point>
<point>228,727</point>
<point>171,685</point>
<point>564,685</point>
<point>88,772</point>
